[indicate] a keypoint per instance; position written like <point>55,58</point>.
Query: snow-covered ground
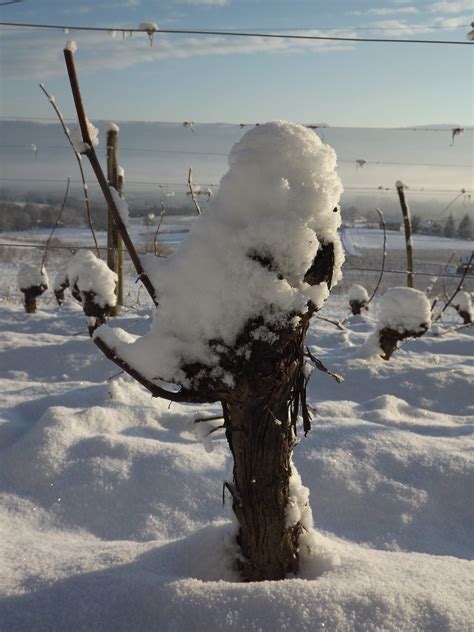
<point>373,239</point>
<point>111,514</point>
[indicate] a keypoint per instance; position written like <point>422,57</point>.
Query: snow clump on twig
<point>75,134</point>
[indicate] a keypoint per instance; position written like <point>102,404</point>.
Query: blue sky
<point>219,79</point>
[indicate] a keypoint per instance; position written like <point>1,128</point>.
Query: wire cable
<point>332,38</point>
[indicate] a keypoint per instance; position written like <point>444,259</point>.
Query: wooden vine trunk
<point>30,296</point>
<point>389,339</point>
<point>357,307</point>
<point>261,438</point>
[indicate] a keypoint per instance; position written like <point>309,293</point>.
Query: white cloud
<point>38,55</point>
<point>111,4</point>
<point>392,11</point>
<point>448,6</point>
<point>399,28</point>
<point>453,23</point>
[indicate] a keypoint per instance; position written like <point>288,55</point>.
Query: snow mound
<point>246,258</point>
<point>111,514</point>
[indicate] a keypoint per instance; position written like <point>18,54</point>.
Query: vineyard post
<point>114,241</point>
<point>407,225</point>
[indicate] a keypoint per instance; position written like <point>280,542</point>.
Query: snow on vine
<point>276,203</point>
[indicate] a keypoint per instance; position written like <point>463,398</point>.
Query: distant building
<point>431,227</point>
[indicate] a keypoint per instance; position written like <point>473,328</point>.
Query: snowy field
<point>114,515</point>
<point>112,518</point>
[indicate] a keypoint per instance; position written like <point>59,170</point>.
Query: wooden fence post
<point>407,225</point>
<point>114,241</point>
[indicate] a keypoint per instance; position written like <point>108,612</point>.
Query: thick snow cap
<point>276,205</point>
<point>358,293</point>
<point>32,276</point>
<point>90,274</point>
<point>404,309</point>
<point>462,300</point>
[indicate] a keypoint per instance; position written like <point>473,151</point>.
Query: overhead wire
<point>243,125</point>
<point>183,152</point>
<point>380,189</point>
<point>229,33</point>
<point>346,268</point>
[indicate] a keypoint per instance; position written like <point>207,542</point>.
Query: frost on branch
<point>93,283</point>
<point>33,282</point>
<point>404,313</point>
<point>248,261</point>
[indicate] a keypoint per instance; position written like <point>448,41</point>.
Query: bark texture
<point>357,307</point>
<point>261,436</point>
<point>389,339</point>
<point>30,296</point>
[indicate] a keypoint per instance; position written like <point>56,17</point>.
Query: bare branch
<point>79,163</point>
<point>155,239</point>
<point>58,219</point>
<point>321,367</point>
<point>182,396</point>
<point>192,194</point>
<point>101,179</point>
<point>333,322</point>
<point>450,300</point>
<point>445,293</point>
<point>384,256</point>
<point>199,420</point>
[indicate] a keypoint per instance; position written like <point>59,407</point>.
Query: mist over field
<point>35,158</point>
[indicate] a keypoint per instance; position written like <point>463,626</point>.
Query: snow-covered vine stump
<point>463,305</point>
<point>93,284</point>
<point>404,313</point>
<point>33,282</point>
<point>235,303</point>
<point>358,299</point>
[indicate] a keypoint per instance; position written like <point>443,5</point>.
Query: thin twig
<point>192,194</point>
<point>445,294</point>
<point>199,420</point>
<point>321,367</point>
<point>333,322</point>
<point>454,329</point>
<point>384,256</point>
<point>58,219</point>
<point>463,192</point>
<point>79,162</point>
<point>448,303</point>
<point>155,239</point>
<point>101,179</point>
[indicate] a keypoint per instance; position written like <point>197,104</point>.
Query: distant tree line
<point>15,216</point>
<point>445,228</point>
